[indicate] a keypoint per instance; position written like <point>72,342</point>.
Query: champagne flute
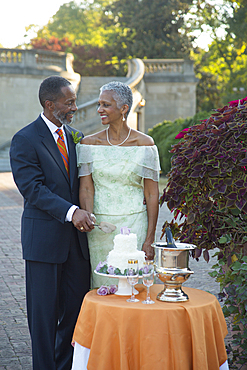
<point>148,279</point>
<point>132,278</point>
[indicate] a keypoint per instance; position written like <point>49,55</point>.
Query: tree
<point>94,61</point>
<point>148,28</point>
<point>236,21</point>
<point>77,29</point>
<point>102,34</point>
<point>80,23</point>
<point>52,43</point>
<point>221,69</point>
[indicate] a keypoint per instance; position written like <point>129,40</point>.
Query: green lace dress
<point>118,173</point>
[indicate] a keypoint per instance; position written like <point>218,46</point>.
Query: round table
<point>163,336</point>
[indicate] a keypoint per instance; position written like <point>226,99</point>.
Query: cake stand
<point>124,288</point>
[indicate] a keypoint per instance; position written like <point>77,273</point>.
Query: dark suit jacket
<point>48,193</point>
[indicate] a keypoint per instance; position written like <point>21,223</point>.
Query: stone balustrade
<point>167,66</point>
<point>162,89</point>
<point>11,56</point>
<point>34,59</point>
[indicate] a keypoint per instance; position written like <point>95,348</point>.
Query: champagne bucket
<point>172,268</point>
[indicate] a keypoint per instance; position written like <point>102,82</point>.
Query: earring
<point>123,118</point>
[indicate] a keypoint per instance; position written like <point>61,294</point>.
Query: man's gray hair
<point>122,93</point>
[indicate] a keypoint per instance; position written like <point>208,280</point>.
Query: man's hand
<point>82,220</point>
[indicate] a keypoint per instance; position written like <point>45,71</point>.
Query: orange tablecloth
<point>163,336</point>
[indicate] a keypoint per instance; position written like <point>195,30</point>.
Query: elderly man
<point>43,161</point>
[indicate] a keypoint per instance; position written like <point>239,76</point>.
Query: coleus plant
<point>207,183</point>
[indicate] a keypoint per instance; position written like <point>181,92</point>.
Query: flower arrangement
<point>103,268</point>
<point>105,290</point>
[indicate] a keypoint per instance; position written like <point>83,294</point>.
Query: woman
<point>112,164</point>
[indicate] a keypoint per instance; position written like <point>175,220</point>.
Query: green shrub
<point>164,136</point>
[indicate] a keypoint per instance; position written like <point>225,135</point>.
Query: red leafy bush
<point>207,183</point>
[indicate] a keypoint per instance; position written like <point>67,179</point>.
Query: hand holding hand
<point>82,220</point>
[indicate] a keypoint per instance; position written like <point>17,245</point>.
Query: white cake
<point>125,248</point>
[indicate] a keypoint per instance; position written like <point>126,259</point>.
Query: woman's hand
<point>149,250</point>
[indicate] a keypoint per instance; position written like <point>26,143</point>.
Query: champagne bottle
<point>169,238</point>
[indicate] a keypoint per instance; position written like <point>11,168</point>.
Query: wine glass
<point>132,278</point>
<point>148,279</point>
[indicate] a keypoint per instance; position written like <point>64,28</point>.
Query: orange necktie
<point>62,148</point>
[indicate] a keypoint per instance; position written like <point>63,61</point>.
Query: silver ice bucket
<point>172,268</point>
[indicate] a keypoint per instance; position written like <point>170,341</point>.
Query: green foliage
<point>234,295</point>
<point>95,61</point>
<point>237,22</point>
<point>207,92</point>
<point>104,33</point>
<point>222,69</point>
<point>151,29</point>
<point>164,136</point>
<point>79,22</point>
<point>80,25</point>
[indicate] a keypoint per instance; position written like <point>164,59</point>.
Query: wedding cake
<point>125,248</point>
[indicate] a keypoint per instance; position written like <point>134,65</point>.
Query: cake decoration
<point>125,248</point>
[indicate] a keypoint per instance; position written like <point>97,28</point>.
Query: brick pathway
<point>15,351</point>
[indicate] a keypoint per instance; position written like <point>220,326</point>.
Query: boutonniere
<point>76,139</point>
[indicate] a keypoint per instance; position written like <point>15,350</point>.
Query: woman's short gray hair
<point>122,93</point>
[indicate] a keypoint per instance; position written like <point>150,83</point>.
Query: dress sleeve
<point>84,159</point>
<point>148,164</point>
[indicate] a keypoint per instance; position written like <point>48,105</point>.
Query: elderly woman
<point>118,168</point>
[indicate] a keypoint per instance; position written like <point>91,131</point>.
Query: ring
<point>82,228</point>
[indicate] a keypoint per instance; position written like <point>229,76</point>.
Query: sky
<point>18,14</point>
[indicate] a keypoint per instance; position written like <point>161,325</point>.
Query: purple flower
<point>103,290</point>
<point>99,266</point>
<point>125,230</point>
<point>110,270</point>
<point>112,289</point>
<point>146,269</point>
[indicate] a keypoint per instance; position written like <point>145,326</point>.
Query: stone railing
<point>87,118</point>
<point>167,66</point>
<point>32,58</point>
<point>11,56</point>
<point>38,62</point>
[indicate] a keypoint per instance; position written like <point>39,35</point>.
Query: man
<point>54,243</point>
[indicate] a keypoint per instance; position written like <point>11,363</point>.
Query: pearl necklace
<point>107,138</point>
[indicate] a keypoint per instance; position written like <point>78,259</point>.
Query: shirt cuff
<point>70,213</point>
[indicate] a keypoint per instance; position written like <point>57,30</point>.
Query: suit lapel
<point>51,146</point>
